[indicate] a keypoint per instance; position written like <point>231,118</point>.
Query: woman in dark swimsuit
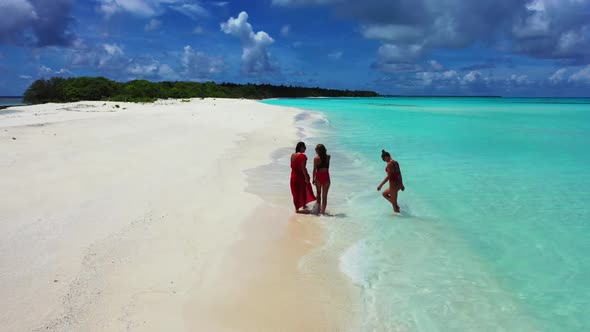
<point>321,176</point>
<point>394,176</point>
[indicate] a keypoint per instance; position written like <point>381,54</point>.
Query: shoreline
<point>274,283</point>
<point>276,261</point>
<point>120,218</point>
<point>417,265</point>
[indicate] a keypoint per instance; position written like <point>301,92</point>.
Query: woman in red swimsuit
<point>300,186</point>
<point>394,176</point>
<point>321,176</point>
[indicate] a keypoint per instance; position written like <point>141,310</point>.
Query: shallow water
<point>495,219</point>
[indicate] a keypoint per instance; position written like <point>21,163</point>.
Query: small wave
<point>310,124</point>
<point>302,116</point>
<point>354,265</point>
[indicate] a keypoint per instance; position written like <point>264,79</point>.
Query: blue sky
<point>418,47</point>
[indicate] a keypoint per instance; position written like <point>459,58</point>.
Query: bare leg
<point>387,193</point>
<point>325,189</point>
<point>319,196</point>
<point>393,197</point>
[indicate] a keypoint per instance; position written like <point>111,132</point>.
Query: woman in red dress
<point>394,176</point>
<point>300,186</point>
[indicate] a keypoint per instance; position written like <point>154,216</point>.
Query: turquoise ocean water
<point>494,233</point>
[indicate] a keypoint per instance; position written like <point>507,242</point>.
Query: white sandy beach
<point>136,218</point>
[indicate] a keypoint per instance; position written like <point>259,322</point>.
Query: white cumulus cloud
<point>582,75</point>
<point>112,49</point>
<point>255,55</point>
<point>192,10</point>
<point>166,72</point>
<point>199,66</point>
<point>150,8</point>
<point>393,33</point>
<point>144,70</point>
<point>519,79</point>
<point>137,7</point>
<point>430,77</point>
<point>473,77</point>
<point>47,72</point>
<point>148,68</point>
<point>558,76</point>
<point>435,65</point>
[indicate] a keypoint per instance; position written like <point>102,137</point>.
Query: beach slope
<point>118,216</point>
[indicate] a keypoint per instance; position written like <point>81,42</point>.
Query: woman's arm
<point>315,169</point>
<point>388,171</point>
<point>304,169</point>
<point>383,182</point>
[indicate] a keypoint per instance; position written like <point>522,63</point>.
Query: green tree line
<point>62,90</point>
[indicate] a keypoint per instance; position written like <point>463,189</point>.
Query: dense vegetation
<point>99,88</point>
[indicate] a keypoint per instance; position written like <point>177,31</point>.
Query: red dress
<point>300,189</point>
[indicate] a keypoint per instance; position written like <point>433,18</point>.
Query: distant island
<point>63,90</point>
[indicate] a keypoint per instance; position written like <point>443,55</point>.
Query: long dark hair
<point>385,154</point>
<point>299,146</point>
<point>322,152</point>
